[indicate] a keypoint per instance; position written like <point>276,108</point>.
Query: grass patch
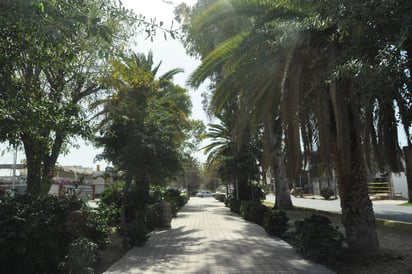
<point>406,204</point>
<point>268,204</point>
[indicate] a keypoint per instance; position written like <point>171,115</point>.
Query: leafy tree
<point>52,57</point>
<point>145,123</point>
<point>325,57</point>
<point>51,72</point>
<point>190,177</point>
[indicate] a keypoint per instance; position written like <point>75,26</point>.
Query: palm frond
<point>169,74</point>
<point>268,10</point>
<point>215,59</point>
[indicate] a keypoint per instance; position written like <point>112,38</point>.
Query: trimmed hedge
<point>276,222</point>
<point>326,193</point>
<point>253,211</point>
<point>317,239</point>
<point>234,205</point>
<point>220,197</point>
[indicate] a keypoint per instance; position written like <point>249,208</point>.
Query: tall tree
<point>237,161</point>
<point>144,123</point>
<point>52,57</point>
<point>322,58</point>
<point>51,72</point>
<point>246,75</point>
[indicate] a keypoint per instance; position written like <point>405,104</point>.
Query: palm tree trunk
<point>282,192</point>
<point>275,156</point>
<point>357,213</point>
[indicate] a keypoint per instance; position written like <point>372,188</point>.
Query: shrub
<point>257,193</point>
<point>134,233</point>
<point>112,195</point>
<point>109,213</point>
<point>317,240</point>
<point>152,216</point>
<point>175,208</point>
<point>234,205</point>
<point>176,199</point>
<point>96,229</point>
<point>36,231</point>
<point>227,201</point>
<point>253,211</point>
<point>276,222</point>
<point>33,235</point>
<point>174,196</point>
<point>326,193</point>
<point>80,258</point>
<point>220,197</point>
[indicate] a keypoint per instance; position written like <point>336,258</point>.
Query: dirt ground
<point>395,242</point>
<point>111,254</point>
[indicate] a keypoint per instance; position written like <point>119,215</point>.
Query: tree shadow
<point>164,249</point>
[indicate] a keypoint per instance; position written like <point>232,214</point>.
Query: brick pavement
<point>207,238</point>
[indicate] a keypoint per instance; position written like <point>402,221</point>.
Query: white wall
<point>399,184</point>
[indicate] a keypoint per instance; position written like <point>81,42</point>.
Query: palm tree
<point>256,90</point>
<point>143,123</point>
<point>237,161</point>
<point>314,79</point>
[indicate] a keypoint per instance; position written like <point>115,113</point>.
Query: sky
<point>172,55</point>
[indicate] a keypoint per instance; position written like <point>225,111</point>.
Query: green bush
<point>276,222</point>
<point>234,205</point>
<point>257,193</point>
<point>134,233</point>
<point>317,240</point>
<point>220,197</point>
<point>175,196</point>
<point>109,213</point>
<point>326,193</point>
<point>152,216</point>
<point>112,195</point>
<point>36,231</point>
<point>253,211</point>
<point>176,199</point>
<point>227,201</point>
<point>96,229</point>
<point>80,258</point>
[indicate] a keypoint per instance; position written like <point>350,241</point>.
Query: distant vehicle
<point>204,194</point>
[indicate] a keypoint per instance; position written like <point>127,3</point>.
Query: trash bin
<point>165,214</point>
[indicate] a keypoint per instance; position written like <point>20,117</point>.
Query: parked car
<point>205,194</point>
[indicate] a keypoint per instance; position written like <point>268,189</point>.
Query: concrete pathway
<point>207,238</point>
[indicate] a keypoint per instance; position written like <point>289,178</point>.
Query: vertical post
<point>14,169</point>
<point>237,190</point>
<point>187,188</point>
<point>93,192</point>
<point>407,150</point>
<point>334,183</point>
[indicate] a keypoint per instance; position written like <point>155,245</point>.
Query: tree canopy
<point>53,57</point>
<point>338,75</point>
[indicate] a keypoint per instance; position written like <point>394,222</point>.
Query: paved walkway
<point>207,238</point>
